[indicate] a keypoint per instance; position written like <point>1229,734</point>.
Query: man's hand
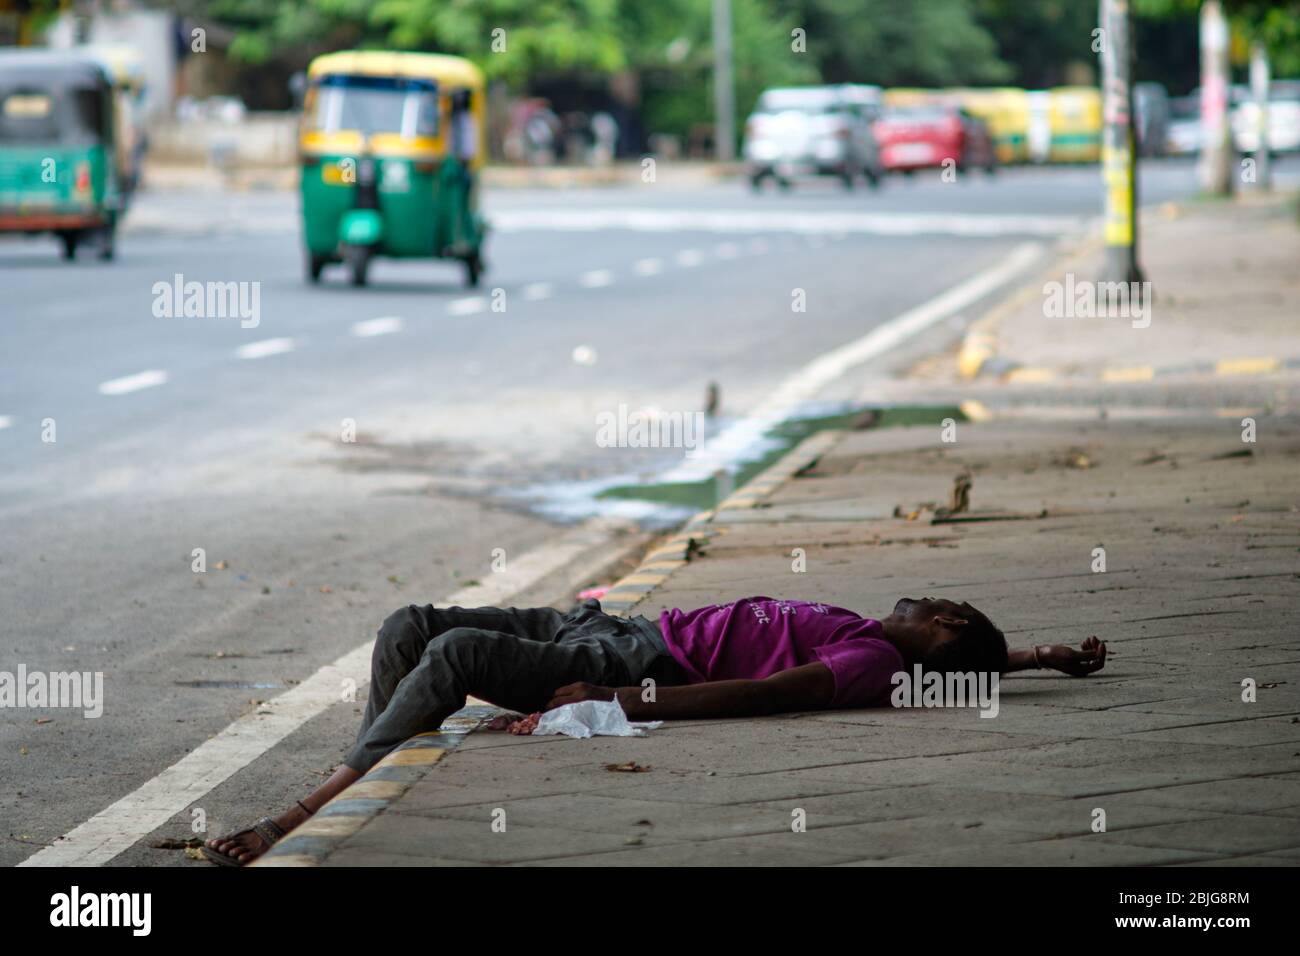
<point>572,693</point>
<point>1091,657</point>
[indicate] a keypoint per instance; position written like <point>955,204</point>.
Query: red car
<point>922,137</point>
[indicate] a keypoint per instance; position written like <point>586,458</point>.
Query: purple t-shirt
<point>759,636</point>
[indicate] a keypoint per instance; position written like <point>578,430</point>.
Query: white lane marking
<point>385,325</point>
<point>596,278</point>
<point>5,421</point>
<point>118,827</point>
<point>750,221</point>
<point>469,306</point>
<point>264,348</point>
<point>727,250</point>
<point>536,291</point>
<point>689,258</point>
<point>133,383</point>
<point>648,267</point>
<point>733,442</point>
<point>757,245</point>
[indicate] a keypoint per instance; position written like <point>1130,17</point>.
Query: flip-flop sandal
<point>266,828</point>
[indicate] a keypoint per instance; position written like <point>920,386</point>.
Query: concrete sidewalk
<point>1200,527</point>
<point>1202,541</point>
<point>1225,286</point>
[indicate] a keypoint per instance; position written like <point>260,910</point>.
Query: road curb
<point>978,353</point>
<point>661,562</point>
<point>313,841</point>
<point>1243,367</point>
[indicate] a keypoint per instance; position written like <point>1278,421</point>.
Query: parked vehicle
<point>1183,136</point>
<point>813,131</point>
<point>1074,117</point>
<point>1283,119</point>
<point>924,136</point>
<point>59,169</point>
<point>1006,112</point>
<point>391,146</point>
<point>1151,118</point>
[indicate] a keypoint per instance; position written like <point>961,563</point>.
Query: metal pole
<point>1216,167</point>
<point>724,98</point>
<point>1259,83</point>
<point>1118,144</point>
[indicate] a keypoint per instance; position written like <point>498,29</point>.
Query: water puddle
<point>676,493</point>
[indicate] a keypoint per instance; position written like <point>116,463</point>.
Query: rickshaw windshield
<point>53,114</point>
<point>370,104</point>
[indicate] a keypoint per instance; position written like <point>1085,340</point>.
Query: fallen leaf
<point>221,565</point>
<point>630,767</point>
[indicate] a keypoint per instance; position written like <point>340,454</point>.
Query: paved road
<point>474,428</point>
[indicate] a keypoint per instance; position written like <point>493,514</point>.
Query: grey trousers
<point>427,660</point>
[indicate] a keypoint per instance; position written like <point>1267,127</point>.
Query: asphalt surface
<point>475,429</point>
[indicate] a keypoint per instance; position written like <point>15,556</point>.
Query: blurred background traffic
<point>882,85</point>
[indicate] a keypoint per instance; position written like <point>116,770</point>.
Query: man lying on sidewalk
<point>753,657</point>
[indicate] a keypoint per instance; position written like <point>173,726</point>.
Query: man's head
<point>945,636</point>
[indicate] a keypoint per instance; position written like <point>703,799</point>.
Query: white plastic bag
<point>591,718</point>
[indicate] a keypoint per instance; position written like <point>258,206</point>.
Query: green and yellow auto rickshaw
<point>58,166</point>
<point>391,145</point>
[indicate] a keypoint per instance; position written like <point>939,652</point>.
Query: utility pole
<point>724,97</point>
<point>1216,147</point>
<point>1118,143</point>
<point>1259,82</point>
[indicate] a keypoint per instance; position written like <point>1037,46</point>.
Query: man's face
<point>924,610</point>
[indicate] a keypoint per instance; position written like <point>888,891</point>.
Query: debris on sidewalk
<point>592,718</point>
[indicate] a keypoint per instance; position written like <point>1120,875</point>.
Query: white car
<point>1283,120</point>
<point>813,131</point>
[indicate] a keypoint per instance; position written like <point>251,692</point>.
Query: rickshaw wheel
<point>107,247</point>
<point>359,261</point>
<point>69,240</point>
<point>473,269</point>
<point>315,265</point>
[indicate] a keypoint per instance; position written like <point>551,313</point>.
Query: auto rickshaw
<point>391,144</point>
<point>1006,111</point>
<point>58,166</point>
<point>1074,116</point>
<point>126,71</point>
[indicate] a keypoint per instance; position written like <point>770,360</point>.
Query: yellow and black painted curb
<point>310,843</point>
<point>386,782</point>
<point>1242,367</point>
<point>660,562</point>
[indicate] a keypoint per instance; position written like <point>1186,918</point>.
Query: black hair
<point>979,647</point>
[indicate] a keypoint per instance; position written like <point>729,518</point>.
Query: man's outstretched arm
<point>807,687</point>
<point>1088,658</point>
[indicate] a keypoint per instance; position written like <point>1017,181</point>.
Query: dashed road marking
<point>385,325</point>
<point>264,348</point>
<point>469,306</point>
<point>648,267</point>
<point>536,291</point>
<point>689,258</point>
<point>597,278</point>
<point>727,250</point>
<point>757,245</point>
<point>5,421</point>
<point>133,383</point>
